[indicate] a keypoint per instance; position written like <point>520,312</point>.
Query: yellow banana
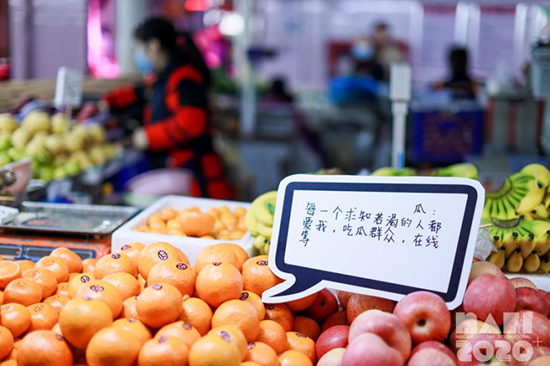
<point>264,207</point>
<point>540,212</point>
<point>502,213</point>
<point>496,236</point>
<point>260,241</point>
<point>541,231</point>
<point>265,249</point>
<point>508,238</point>
<point>265,231</point>
<point>545,264</point>
<point>487,209</point>
<point>509,209</point>
<point>532,199</point>
<point>539,172</point>
<point>251,222</point>
<point>546,201</point>
<point>515,262</point>
<point>498,258</point>
<point>510,247</point>
<point>494,209</point>
<point>532,263</point>
<point>527,246</point>
<point>542,244</point>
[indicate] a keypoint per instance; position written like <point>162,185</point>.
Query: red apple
<point>547,298</point>
<point>387,326</point>
<point>359,303</point>
<point>529,326</point>
<point>338,318</point>
<point>435,345</point>
<point>343,298</point>
<point>469,329</point>
<point>541,292</point>
<point>426,316</point>
<point>430,356</point>
<point>523,359</point>
<point>520,282</point>
<point>530,299</point>
<point>368,349</point>
<point>484,268</point>
<point>324,305</point>
<point>490,297</point>
<point>335,337</point>
<point>541,361</point>
<point>485,349</point>
<point>332,358</point>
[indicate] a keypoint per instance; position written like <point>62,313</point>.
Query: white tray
<point>190,246</point>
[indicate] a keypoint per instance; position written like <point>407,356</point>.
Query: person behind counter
<point>176,130</point>
<point>459,82</point>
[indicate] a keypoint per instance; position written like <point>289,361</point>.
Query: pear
<point>36,121</point>
<point>20,138</point>
<point>60,124</point>
<point>7,123</point>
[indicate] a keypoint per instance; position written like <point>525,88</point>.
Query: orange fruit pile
<point>217,223</point>
<point>148,303</point>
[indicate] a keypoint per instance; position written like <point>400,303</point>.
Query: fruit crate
<point>190,246</point>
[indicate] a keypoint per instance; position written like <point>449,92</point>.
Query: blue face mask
<point>362,51</point>
<point>142,62</point>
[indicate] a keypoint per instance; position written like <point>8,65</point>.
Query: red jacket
<point>177,124</point>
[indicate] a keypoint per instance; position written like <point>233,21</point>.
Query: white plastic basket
<point>190,246</point>
<point>540,72</point>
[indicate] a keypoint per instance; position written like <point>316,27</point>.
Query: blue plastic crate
<point>443,136</point>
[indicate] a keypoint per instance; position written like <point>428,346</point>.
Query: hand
<point>103,106</point>
<point>140,140</point>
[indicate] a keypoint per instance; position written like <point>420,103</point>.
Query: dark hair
<point>458,60</point>
<point>381,26</point>
<point>161,30</point>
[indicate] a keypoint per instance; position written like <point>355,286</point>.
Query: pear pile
<point>58,148</point>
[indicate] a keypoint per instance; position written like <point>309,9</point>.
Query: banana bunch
<point>464,170</point>
<point>522,245</point>
<point>259,220</point>
<point>523,195</point>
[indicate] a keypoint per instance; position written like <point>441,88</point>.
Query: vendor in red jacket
<point>176,124</point>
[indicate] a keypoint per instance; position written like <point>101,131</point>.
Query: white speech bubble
<point>379,236</point>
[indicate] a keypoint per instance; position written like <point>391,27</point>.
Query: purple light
<point>100,64</point>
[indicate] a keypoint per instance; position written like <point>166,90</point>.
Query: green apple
<point>5,142</point>
<point>36,167</point>
<point>46,173</point>
<point>72,168</point>
<point>4,159</point>
<point>60,173</point>
<point>15,154</point>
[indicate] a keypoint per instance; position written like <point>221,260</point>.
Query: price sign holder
<point>68,88</point>
<point>379,236</point>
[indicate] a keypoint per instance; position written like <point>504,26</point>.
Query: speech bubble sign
<point>379,236</point>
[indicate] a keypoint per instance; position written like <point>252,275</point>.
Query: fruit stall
<point>181,283</point>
